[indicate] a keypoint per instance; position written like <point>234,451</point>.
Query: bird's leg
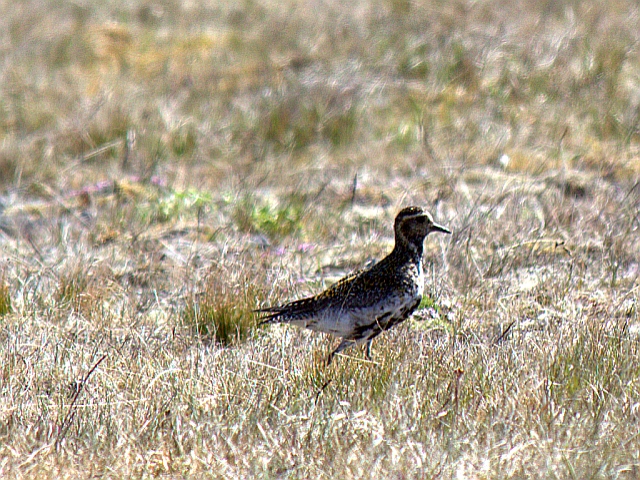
<point>329,358</point>
<point>343,344</point>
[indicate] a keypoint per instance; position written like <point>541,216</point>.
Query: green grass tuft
<point>275,220</point>
<point>167,205</point>
<point>5,298</point>
<point>73,283</point>
<point>223,321</point>
<point>223,312</point>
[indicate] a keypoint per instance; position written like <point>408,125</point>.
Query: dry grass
<point>167,167</point>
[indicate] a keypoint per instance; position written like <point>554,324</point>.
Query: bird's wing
<point>361,289</point>
<point>342,286</point>
<point>306,307</point>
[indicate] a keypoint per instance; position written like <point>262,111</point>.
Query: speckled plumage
<point>367,302</point>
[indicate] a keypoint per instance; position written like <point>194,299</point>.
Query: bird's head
<point>413,224</point>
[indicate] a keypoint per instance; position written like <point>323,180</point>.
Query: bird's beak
<point>439,228</point>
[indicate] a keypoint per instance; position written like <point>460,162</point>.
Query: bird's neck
<point>408,250</point>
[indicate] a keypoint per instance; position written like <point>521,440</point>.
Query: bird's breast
<point>413,281</point>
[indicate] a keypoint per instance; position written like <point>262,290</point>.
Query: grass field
<point>166,167</point>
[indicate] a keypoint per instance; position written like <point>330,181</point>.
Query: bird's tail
<point>291,312</point>
<point>270,315</point>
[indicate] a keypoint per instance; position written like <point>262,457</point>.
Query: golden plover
<point>365,303</point>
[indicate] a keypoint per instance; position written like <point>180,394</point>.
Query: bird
<point>362,305</point>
